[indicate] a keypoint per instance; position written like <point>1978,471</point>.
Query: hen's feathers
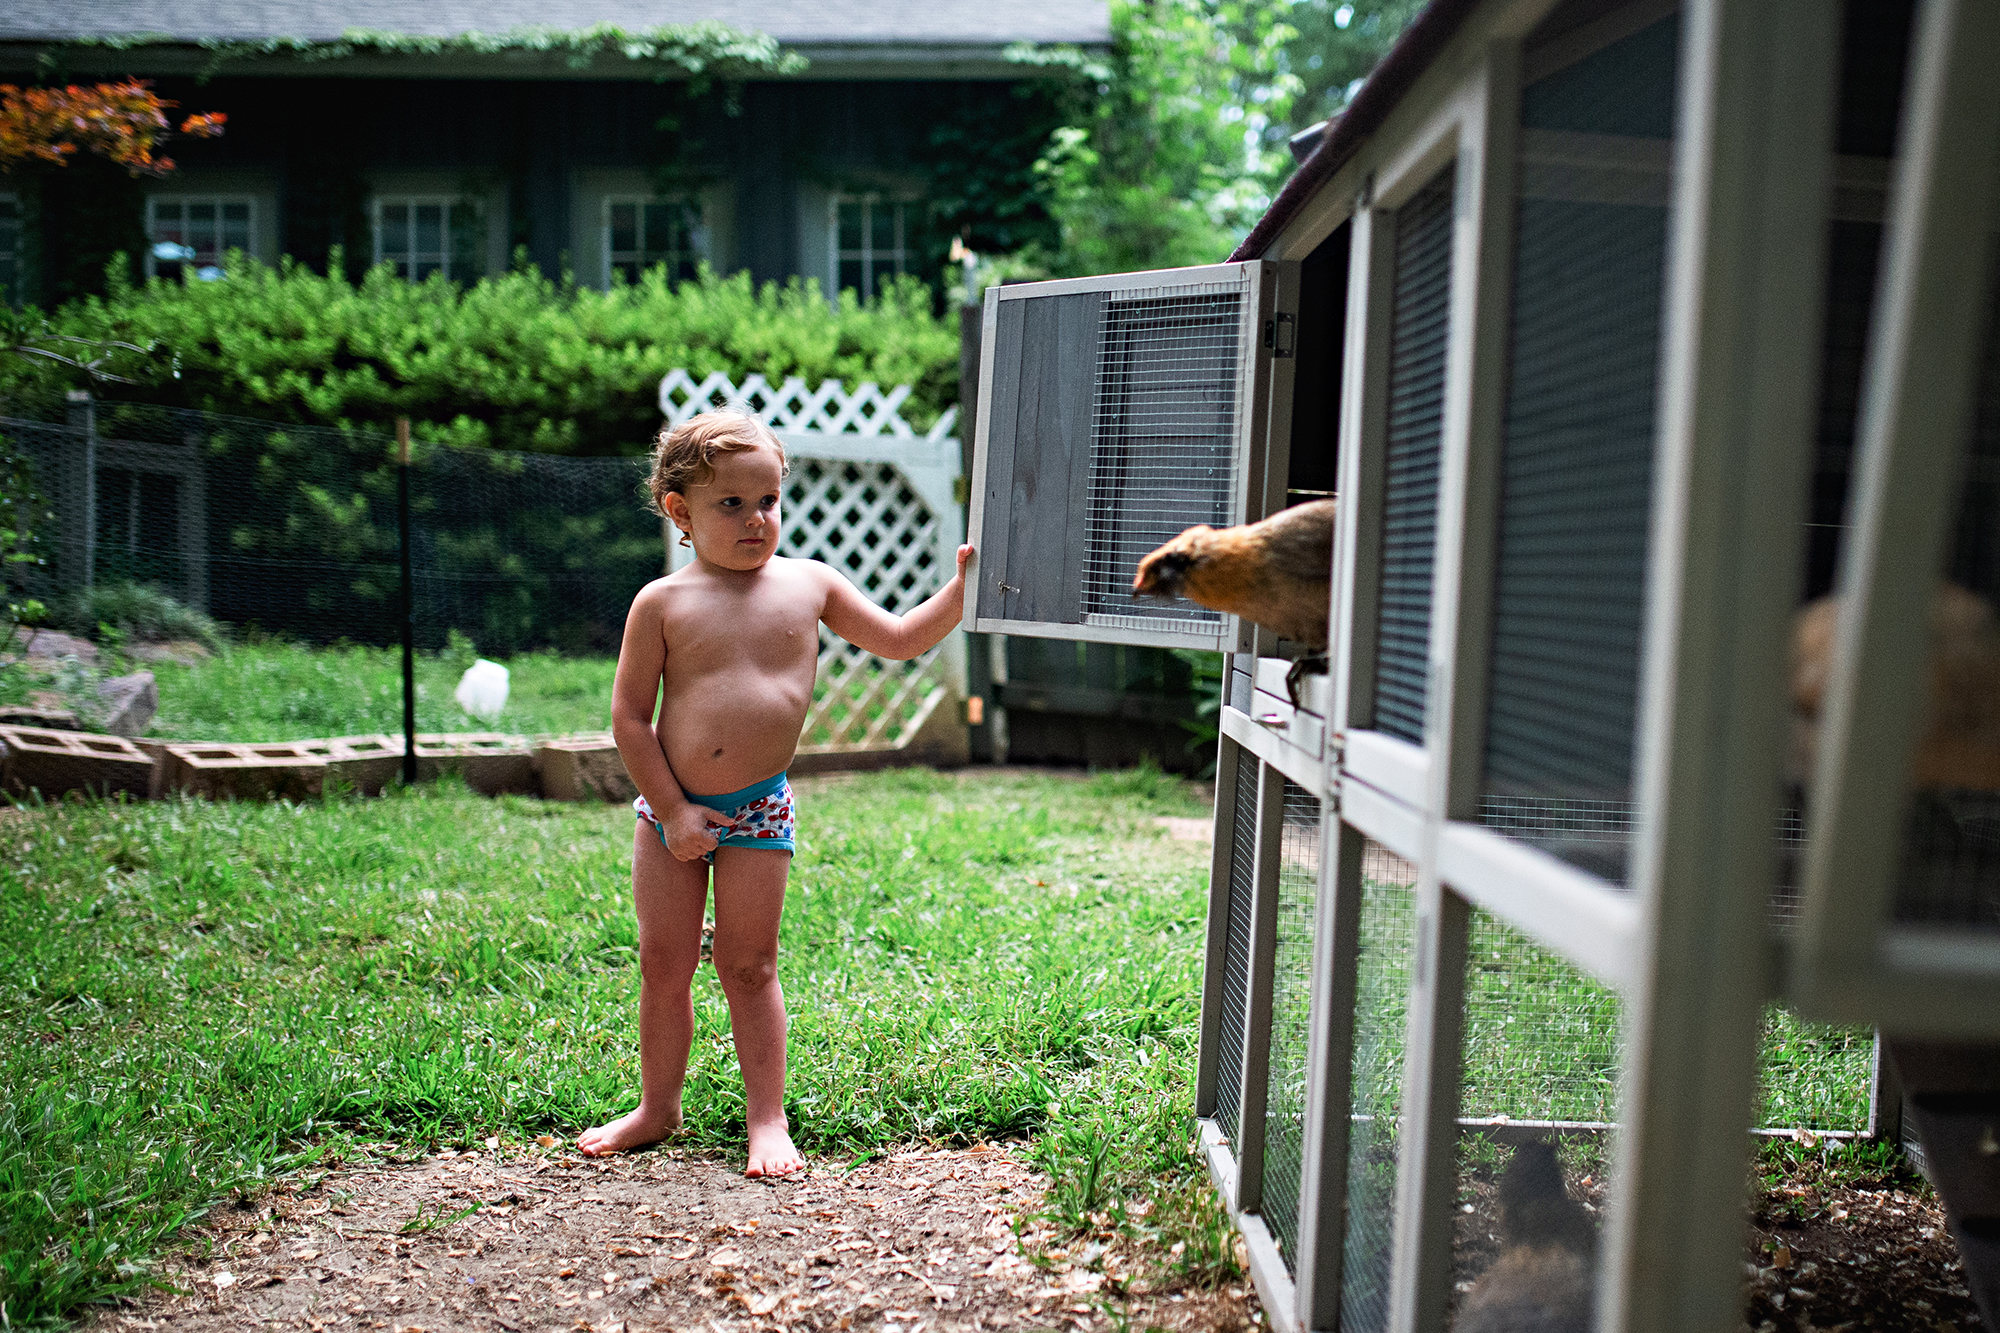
<point>1277,572</point>
<point>1545,1278</point>
<point>1960,744</point>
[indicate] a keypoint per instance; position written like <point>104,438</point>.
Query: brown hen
<point>1545,1278</point>
<point>1277,572</point>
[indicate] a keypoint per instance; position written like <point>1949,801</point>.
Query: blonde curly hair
<point>684,455</point>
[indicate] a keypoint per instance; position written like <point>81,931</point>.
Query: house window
<point>641,232</point>
<point>426,234</point>
<point>868,242</point>
<point>190,233</point>
<point>10,249</point>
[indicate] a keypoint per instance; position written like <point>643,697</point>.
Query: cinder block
<point>366,763</point>
<point>490,762</point>
<point>54,762</point>
<point>157,752</point>
<point>248,772</point>
<point>583,768</point>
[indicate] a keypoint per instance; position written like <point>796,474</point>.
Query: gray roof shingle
<point>902,23</point>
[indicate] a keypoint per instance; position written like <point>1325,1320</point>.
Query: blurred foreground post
<point>409,603</point>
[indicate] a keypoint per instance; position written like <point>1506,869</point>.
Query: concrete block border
<point>583,767</point>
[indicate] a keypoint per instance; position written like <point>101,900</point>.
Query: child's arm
<point>873,630</point>
<point>642,659</point>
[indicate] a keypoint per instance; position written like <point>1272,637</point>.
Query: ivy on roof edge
<point>701,50</point>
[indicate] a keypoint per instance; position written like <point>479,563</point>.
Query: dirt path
<point>543,1240</point>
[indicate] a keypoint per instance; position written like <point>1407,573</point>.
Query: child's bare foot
<point>771,1152</point>
<point>635,1130</point>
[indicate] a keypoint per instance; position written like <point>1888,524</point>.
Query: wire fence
<point>295,531</point>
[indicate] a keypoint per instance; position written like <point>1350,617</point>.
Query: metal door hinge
<point>1281,334</point>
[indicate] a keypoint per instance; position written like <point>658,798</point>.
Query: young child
<point>728,645</point>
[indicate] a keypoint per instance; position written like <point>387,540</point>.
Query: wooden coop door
<point>1114,413</point>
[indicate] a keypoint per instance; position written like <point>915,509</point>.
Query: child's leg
<point>749,898</point>
<point>668,896</point>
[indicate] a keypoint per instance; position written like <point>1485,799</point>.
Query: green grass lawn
<point>195,997</point>
<point>285,692</point>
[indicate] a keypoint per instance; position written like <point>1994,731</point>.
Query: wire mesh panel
<point>1291,1011</point>
<point>1381,1005</point>
<point>1162,442</point>
<point>523,551</point>
<point>1236,965</point>
<point>285,529</point>
<point>1577,450</point>
<point>1420,330</point>
<point>1949,873</point>
<point>1541,1038</point>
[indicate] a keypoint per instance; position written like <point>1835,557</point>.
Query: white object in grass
<point>482,690</point>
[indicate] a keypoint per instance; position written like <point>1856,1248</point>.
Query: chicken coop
<point>1652,350</point>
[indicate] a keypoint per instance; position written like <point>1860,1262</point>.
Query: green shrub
<point>136,611</point>
<point>515,361</point>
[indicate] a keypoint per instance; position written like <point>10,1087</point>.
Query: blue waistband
<point>728,801</point>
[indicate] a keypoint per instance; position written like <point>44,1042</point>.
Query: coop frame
<point>1688,943</point>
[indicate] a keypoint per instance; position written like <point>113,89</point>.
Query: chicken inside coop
<point>1277,572</point>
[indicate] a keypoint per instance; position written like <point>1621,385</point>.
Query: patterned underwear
<point>761,815</point>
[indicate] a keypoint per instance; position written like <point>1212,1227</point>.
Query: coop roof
<point>836,33</point>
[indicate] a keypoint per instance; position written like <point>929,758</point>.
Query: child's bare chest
<point>770,629</point>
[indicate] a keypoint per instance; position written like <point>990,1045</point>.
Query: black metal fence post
<point>409,603</point>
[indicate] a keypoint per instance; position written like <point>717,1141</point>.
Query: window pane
<point>201,213</point>
<point>395,231</point>
<point>236,228</point>
<point>882,219</point>
<point>851,217</point>
<point>429,229</point>
<point>629,269</point>
<point>624,227</point>
<point>423,269</point>
<point>468,244</point>
<point>850,276</point>
<point>661,237</point>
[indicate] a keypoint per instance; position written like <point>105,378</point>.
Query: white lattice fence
<point>871,497</point>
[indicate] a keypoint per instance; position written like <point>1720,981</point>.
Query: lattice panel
<point>865,520</point>
<point>831,409</point>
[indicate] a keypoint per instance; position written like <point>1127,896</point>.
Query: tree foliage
<point>1174,141</point>
<point>124,123</point>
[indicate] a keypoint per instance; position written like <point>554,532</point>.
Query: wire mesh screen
<point>1950,866</point>
<point>1381,1004</point>
<point>524,551</point>
<point>1162,443</point>
<point>1577,451</point>
<point>1541,1037</point>
<point>293,530</point>
<point>1420,330</point>
<point>1291,1011</point>
<point>1236,964</point>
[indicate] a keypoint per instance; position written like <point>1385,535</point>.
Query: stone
<point>248,772</point>
<point>48,718</point>
<point>129,703</point>
<point>368,764</point>
<point>583,768</point>
<point>53,645</point>
<point>53,762</point>
<point>491,763</point>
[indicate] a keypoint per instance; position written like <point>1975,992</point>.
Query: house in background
<point>907,125</point>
